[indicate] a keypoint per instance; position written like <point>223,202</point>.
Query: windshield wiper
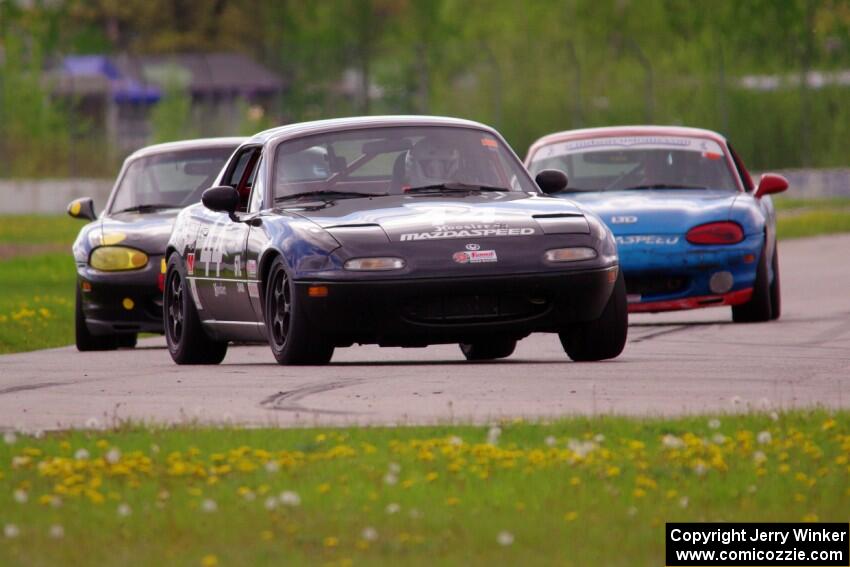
<point>147,208</point>
<point>662,186</point>
<point>328,195</point>
<point>459,187</point>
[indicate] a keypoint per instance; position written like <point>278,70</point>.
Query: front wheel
<point>606,336</point>
<point>488,350</point>
<point>292,338</point>
<point>187,341</point>
<point>85,340</point>
<point>758,309</point>
<point>775,292</point>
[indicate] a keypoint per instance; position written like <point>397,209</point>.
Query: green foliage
<point>171,117</point>
<point>526,68</point>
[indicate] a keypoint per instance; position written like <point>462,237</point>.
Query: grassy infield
<point>579,491</point>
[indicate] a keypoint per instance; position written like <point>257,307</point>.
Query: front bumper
<point>667,278</point>
<point>420,312</point>
<point>122,302</point>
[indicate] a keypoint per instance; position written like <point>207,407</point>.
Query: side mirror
<point>223,199</point>
<point>769,184</point>
<point>551,181</point>
<point>82,208</point>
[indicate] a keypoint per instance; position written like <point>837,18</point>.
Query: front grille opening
<point>659,284</point>
<point>474,308</point>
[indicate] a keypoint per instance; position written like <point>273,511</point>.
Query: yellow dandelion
<point>571,516</point>
<point>266,535</point>
<point>330,541</point>
<point>452,501</point>
<point>324,488</point>
<point>209,561</point>
<point>575,481</point>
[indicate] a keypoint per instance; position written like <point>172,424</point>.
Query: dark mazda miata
<point>397,231</point>
<point>119,255</point>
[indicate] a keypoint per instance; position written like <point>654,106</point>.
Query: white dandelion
<point>81,455</point>
<point>92,423</point>
<point>759,457</point>
<point>154,448</point>
<point>10,438</point>
<point>19,461</point>
<point>632,511</point>
<point>718,438</point>
<point>21,496</point>
<point>11,531</point>
<point>394,468</point>
<point>272,467</point>
<point>455,440</point>
<point>392,508</point>
<point>683,502</point>
<point>390,479</point>
<point>551,441</point>
<point>415,513</point>
<point>124,510</point>
<point>270,503</point>
<point>290,498</point>
<point>249,495</point>
<point>764,437</point>
<point>714,423</point>
<point>369,533</point>
<point>774,416</point>
<point>113,455</point>
<point>209,506</point>
<point>752,489</point>
<point>672,442</point>
<point>599,438</point>
<point>700,469</point>
<point>493,435</point>
<point>505,538</point>
<point>56,531</point>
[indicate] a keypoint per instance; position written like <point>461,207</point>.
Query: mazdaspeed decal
<point>660,240</point>
<point>190,263</point>
<point>467,231</point>
<point>251,267</point>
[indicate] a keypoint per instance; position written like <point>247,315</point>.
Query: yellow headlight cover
<point>117,258</point>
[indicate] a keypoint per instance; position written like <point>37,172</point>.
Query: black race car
<point>119,256</point>
<point>399,231</point>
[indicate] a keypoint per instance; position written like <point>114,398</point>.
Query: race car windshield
<point>638,163</point>
<point>397,160</point>
<point>168,180</point>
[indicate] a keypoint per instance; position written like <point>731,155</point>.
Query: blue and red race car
<point>691,227</point>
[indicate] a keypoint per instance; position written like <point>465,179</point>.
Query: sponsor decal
<point>253,290</point>
<point>240,287</point>
<point>237,266</point>
<point>190,263</point>
<point>467,231</point>
<point>475,256</point>
<point>650,239</point>
<point>624,219</point>
<point>219,289</point>
<point>251,267</point>
<point>473,246</point>
<point>489,143</point>
<point>212,250</point>
<point>620,143</point>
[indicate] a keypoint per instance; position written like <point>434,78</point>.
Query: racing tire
<point>187,341</point>
<point>86,342</point>
<point>758,308</point>
<point>775,291</point>
<point>293,340</point>
<point>490,350</point>
<point>604,337</point>
<point>127,340</point>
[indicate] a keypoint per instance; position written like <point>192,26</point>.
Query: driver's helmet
<point>430,162</point>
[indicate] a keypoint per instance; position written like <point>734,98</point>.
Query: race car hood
<point>148,232</point>
<point>410,218</point>
<point>662,211</point>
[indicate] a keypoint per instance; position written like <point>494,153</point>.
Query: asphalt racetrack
<point>688,362</point>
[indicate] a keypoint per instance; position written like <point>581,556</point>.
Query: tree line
<point>767,73</point>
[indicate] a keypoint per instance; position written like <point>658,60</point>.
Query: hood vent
<point>562,223</point>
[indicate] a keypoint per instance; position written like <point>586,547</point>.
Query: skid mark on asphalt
<point>28,387</point>
<point>661,333</point>
<point>290,400</point>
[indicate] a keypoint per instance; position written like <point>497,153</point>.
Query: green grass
<point>39,229</point>
<point>37,302</point>
<point>584,491</point>
<point>797,218</point>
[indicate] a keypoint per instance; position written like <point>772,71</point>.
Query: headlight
<point>117,258</point>
<point>570,254</point>
<point>374,264</point>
